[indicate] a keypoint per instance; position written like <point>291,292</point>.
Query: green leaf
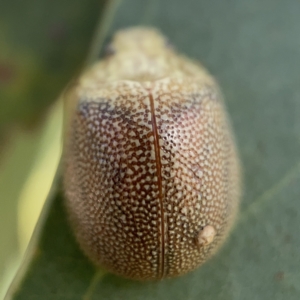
<point>27,164</point>
<point>252,48</point>
<point>43,43</point>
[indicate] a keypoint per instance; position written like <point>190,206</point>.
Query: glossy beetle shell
<point>151,170</point>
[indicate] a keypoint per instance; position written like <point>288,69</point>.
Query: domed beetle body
<point>151,170</point>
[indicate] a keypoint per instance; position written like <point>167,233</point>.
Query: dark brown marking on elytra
<point>161,195</point>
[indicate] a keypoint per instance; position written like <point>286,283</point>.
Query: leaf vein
<point>271,192</point>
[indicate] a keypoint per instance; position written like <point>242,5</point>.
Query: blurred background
<point>43,44</point>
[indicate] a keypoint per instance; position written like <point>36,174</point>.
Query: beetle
<point>151,170</point>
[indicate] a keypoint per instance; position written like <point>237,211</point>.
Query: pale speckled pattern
<point>149,160</point>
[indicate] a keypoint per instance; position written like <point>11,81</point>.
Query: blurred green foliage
<point>43,44</point>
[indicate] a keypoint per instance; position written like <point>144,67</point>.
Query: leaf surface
<point>253,49</point>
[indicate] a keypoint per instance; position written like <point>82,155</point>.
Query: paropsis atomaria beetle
<point>151,171</point>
